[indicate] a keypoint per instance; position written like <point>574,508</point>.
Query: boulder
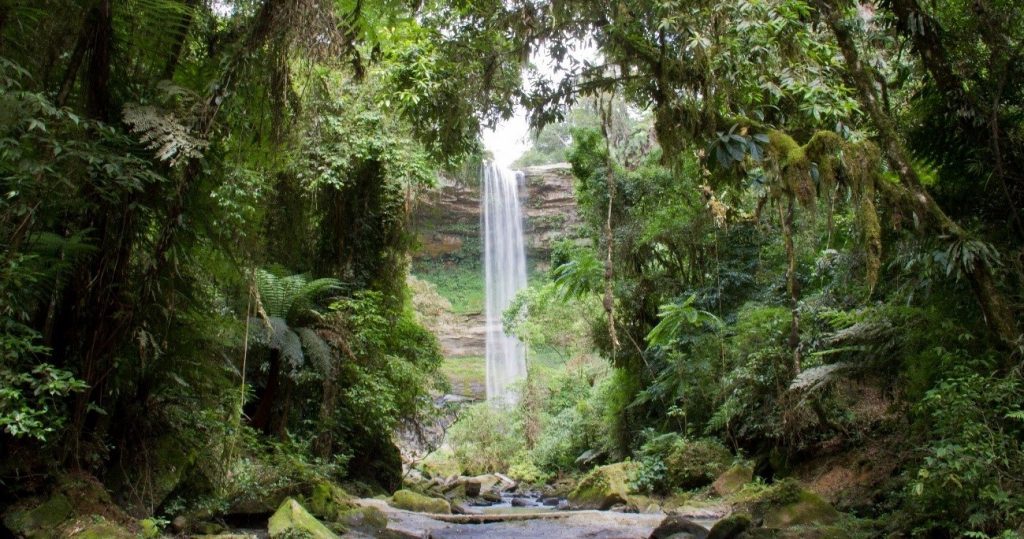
<point>603,487</point>
<point>733,479</point>
<point>730,527</point>
<point>29,520</point>
<point>472,487</point>
<point>412,501</point>
<point>786,503</point>
<point>808,508</point>
<point>674,525</point>
<point>366,519</point>
<point>328,501</point>
<point>292,520</point>
<point>696,463</point>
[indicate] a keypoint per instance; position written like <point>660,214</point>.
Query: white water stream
<point>504,275</point>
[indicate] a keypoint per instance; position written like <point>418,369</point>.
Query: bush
<point>485,439</point>
<point>670,461</point>
<point>971,478</point>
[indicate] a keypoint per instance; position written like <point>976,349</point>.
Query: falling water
<point>504,275</point>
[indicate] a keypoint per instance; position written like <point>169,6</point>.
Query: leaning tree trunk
<point>998,315</point>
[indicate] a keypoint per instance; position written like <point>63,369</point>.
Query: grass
<point>460,284</point>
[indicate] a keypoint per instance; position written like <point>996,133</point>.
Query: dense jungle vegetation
<point>803,253</point>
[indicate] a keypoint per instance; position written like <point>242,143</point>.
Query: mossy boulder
<point>730,527</point>
<point>328,501</point>
<point>33,519</point>
<point>696,463</point>
<point>150,473</point>
<point>809,508</point>
<point>733,479</point>
<point>787,503</point>
<point>412,501</point>
<point>292,521</point>
<point>604,487</point>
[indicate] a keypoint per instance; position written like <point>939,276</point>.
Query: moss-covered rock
<point>412,501</point>
<point>33,519</point>
<point>809,508</point>
<point>292,521</point>
<point>95,527</point>
<point>787,503</point>
<point>730,527</point>
<point>604,487</point>
<point>696,463</point>
<point>733,479</point>
<point>328,501</point>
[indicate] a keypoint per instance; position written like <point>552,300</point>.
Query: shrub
<point>670,461</point>
<point>485,439</point>
<point>970,480</point>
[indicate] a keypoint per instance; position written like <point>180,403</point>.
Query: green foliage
<point>673,316</point>
<point>486,439</point>
<point>969,476</point>
<point>31,398</point>
<point>670,461</point>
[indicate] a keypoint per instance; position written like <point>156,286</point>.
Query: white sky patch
<point>511,138</point>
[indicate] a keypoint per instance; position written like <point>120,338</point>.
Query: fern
<point>580,276</point>
<point>673,317</point>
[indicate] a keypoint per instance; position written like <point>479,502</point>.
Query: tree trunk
<point>998,315</point>
<point>261,418</point>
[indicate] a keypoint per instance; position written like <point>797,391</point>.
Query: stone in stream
<point>413,501</point>
<point>730,527</point>
<point>292,520</point>
<point>677,527</point>
<point>520,502</point>
<point>604,487</point>
<point>550,502</point>
<point>472,487</point>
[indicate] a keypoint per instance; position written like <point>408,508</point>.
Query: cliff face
<point>447,223</point>
<point>447,220</point>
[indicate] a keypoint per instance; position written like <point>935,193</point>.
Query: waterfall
<point>504,275</point>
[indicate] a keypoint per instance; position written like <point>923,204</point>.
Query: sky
<point>511,138</point>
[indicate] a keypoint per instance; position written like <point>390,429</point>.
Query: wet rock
<point>730,527</point>
<point>603,487</point>
<point>733,479</point>
<point>412,501</point>
<point>550,502</point>
<point>520,502</point>
<point>674,525</point>
<point>366,519</point>
<point>472,487</point>
<point>292,520</point>
<point>492,497</point>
